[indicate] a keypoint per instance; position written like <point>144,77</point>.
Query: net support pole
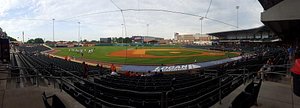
<point>220,90</point>
<point>61,81</point>
<point>164,100</point>
<point>37,78</point>
<point>244,69</point>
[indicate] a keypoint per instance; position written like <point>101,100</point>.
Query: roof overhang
<point>283,19</point>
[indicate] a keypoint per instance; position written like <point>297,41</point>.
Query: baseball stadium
<point>71,54</point>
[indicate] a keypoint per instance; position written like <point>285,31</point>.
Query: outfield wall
<point>174,68</point>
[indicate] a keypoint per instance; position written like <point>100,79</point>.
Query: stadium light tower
<point>53,29</point>
<point>23,36</point>
<point>122,25</point>
<point>122,33</point>
<point>237,17</point>
<point>201,18</point>
<point>147,29</point>
<point>78,33</point>
<point>237,20</point>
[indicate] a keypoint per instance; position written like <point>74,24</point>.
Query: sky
<point>101,18</point>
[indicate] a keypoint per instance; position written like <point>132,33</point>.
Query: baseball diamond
<point>148,55</point>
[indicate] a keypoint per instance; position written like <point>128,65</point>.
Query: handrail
<point>112,104</point>
<point>52,77</point>
<point>63,80</point>
<point>282,65</point>
<point>18,77</point>
<point>239,75</point>
<point>121,90</point>
<point>202,82</point>
<point>125,90</point>
<point>277,72</point>
<point>195,99</point>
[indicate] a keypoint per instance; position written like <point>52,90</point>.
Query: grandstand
<point>201,88</point>
<point>259,77</point>
<point>254,35</point>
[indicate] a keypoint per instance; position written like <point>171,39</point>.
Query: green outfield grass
<point>101,54</point>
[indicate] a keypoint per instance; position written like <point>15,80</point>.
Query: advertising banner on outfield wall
<point>174,68</point>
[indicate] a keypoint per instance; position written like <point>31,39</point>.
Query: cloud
<point>35,17</point>
<point>6,5</point>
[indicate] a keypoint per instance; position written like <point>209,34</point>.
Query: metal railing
<point>63,80</point>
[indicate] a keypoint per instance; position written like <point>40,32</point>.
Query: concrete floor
<point>271,95</point>
<point>12,95</point>
<point>31,97</point>
<point>277,95</point>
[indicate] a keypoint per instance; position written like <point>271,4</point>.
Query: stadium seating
<point>33,48</point>
<point>186,88</point>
